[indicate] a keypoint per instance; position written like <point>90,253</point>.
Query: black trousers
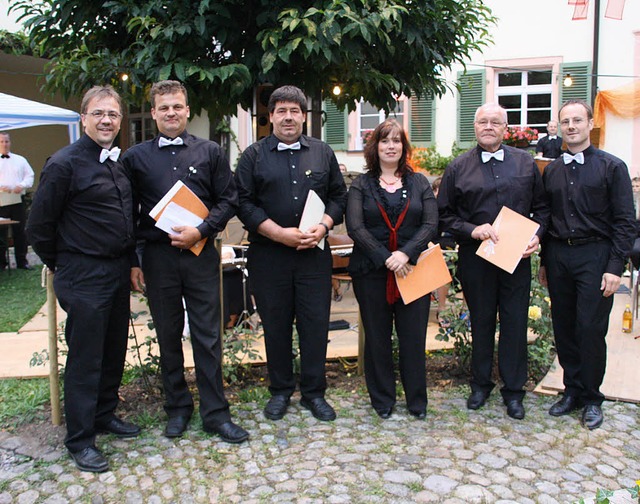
<point>378,318</point>
<point>489,291</point>
<point>17,213</point>
<point>172,274</point>
<point>580,314</point>
<point>288,285</point>
<point>95,294</point>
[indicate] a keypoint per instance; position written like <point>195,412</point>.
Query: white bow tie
<point>112,154</point>
<point>578,158</point>
<point>284,146</point>
<point>552,137</point>
<point>486,156</point>
<point>163,142</point>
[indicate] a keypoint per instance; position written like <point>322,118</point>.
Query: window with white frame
<point>527,97</point>
<point>141,125</point>
<point>370,116</point>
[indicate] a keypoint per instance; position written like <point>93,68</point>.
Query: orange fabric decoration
<point>623,102</point>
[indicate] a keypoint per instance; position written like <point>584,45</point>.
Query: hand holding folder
<point>427,275</point>
<point>180,207</point>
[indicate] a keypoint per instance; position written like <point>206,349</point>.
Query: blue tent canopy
<point>18,112</point>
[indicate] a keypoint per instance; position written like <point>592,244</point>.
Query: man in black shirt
<point>172,271</point>
<point>590,235</point>
<point>290,273</point>
<point>475,186</point>
<point>81,226</point>
<point>550,146</point>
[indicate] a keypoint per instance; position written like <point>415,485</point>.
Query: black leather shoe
<point>477,399</point>
<point>384,413</point>
<point>276,407</point>
<point>176,426</point>
<point>319,408</point>
<point>119,427</point>
<point>515,409</point>
<point>592,416</point>
<point>564,406</point>
<point>90,459</point>
<point>420,415</point>
<point>229,432</point>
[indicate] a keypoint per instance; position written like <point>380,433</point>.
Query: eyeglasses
<point>99,114</point>
<point>493,124</point>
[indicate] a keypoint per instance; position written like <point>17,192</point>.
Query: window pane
<point>510,79</point>
<point>513,117</point>
<point>366,108</point>
<point>539,117</point>
<point>369,122</point>
<point>539,101</point>
<point>510,101</point>
<point>539,77</point>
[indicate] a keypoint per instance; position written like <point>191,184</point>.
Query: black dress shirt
<point>81,206</point>
<point>473,193</point>
<point>274,184</point>
<point>592,200</point>
<point>200,164</point>
<point>550,148</point>
<point>369,231</point>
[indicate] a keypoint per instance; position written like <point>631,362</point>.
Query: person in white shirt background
<point>16,176</point>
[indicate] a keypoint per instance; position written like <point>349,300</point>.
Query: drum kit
<point>230,260</point>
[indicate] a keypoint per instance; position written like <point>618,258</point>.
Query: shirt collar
<point>273,141</point>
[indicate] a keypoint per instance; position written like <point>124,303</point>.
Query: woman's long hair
<point>385,129</point>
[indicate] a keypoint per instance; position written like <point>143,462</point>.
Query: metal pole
<point>54,380</point>
<point>596,51</point>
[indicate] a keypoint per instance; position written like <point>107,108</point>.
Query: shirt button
<point>295,181</point>
<point>295,197</point>
<point>293,166</point>
<point>175,167</point>
<point>571,183</point>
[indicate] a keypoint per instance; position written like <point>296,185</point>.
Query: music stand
<point>245,315</point>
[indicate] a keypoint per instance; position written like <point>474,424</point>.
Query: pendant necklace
<point>390,186</point>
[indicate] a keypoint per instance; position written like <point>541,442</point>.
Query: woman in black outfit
<point>391,216</point>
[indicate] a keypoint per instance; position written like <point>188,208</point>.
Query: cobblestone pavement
<point>454,456</point>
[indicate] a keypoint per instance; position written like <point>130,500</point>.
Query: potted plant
<point>519,136</point>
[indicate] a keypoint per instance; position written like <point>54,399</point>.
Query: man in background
<point>16,176</point>
<point>550,146</point>
<point>81,226</point>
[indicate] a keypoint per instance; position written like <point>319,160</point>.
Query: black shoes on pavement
<point>276,407</point>
<point>228,431</point>
<point>90,459</point>
<point>592,416</point>
<point>319,408</point>
<point>564,406</point>
<point>176,426</point>
<point>477,399</point>
<point>119,428</point>
<point>515,409</point>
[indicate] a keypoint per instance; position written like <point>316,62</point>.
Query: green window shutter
<point>422,121</point>
<point>471,95</point>
<point>335,126</point>
<point>581,87</point>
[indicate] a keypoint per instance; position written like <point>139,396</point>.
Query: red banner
<point>615,8</point>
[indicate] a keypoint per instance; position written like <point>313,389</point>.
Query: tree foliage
<point>222,49</point>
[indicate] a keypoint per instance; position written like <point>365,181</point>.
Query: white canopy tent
<point>18,112</point>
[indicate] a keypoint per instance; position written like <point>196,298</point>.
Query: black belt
<point>581,241</point>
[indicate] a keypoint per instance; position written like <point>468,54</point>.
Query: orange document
<point>427,275</point>
<point>514,234</point>
<point>180,207</point>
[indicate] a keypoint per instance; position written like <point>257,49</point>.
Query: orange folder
<point>427,275</point>
<point>514,234</point>
<point>181,195</point>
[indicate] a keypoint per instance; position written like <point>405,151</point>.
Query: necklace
<point>390,185</point>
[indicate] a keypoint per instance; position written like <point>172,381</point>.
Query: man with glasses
<point>475,186</point>
<point>81,226</point>
<point>590,235</point>
<point>172,272</point>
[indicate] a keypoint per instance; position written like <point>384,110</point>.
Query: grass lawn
<point>21,296</point>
